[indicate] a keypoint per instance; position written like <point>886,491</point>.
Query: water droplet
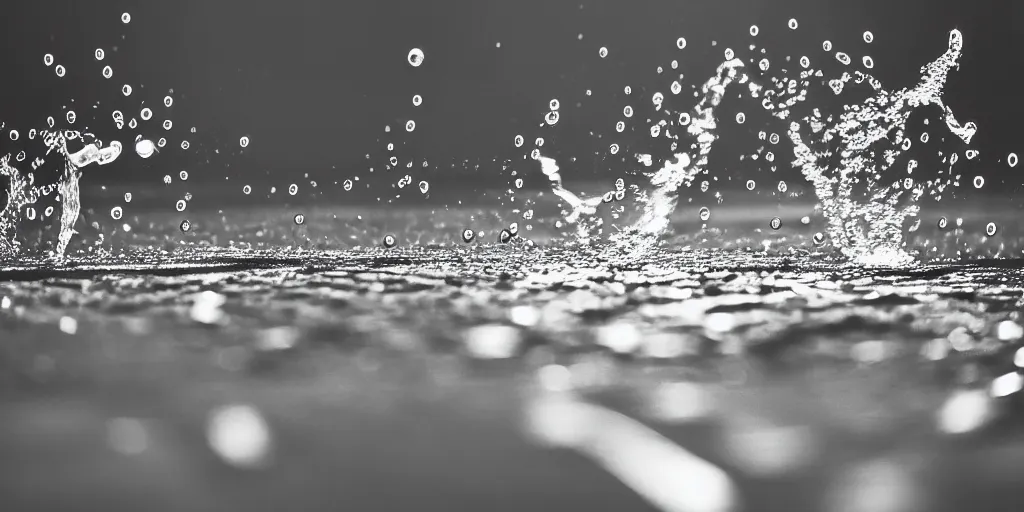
<point>161,143</point>
<point>979,181</point>
<point>655,131</point>
<point>48,211</point>
<point>868,61</point>
<point>775,223</point>
<point>805,62</point>
<point>705,213</point>
<point>751,184</point>
<point>676,87</point>
<point>417,100</point>
<point>943,223</point>
<point>244,141</point>
<point>127,197</point>
<point>299,219</point>
<point>71,116</point>
<point>126,90</point>
<point>681,43</point>
<point>763,64</point>
<point>620,195</point>
<point>513,229</point>
<point>116,212</point>
<point>126,18</point>
<point>424,187</point>
<point>505,236</point>
<point>519,141</point>
<point>415,57</point>
<point>293,189</point>
<point>553,104</point>
<point>184,144</point>
<point>783,187</point>
<point>1011,160</point>
<point>754,30</point>
<point>628,111</point>
<point>146,114</point>
<point>180,205</point>
<point>620,126</point>
<point>608,197</point>
<point>602,52</point>
<point>48,60</point>
<point>792,24</point>
<point>868,36</point>
<point>924,137</point>
<point>145,148</point>
<point>186,226</point>
<point>620,184</point>
<point>971,154</point>
<point>628,90</point>
<point>468,235</point>
<point>535,154</point>
<point>539,142</point>
<point>741,118</point>
<point>14,134</point>
<point>843,58</point>
<point>818,238</point>
<point>410,125</point>
<point>519,183</point>
<point>389,241</point>
<point>347,185</point>
<point>613,149</point>
<point>551,118</point>
<point>990,229</point>
<point>59,70</point>
<point>246,190</point>
<point>108,72</point>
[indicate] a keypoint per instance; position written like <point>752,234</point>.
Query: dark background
<point>313,83</point>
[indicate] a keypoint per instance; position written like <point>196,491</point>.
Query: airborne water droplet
<point>186,226</point>
<point>247,190</point>
<point>613,149</point>
<point>751,184</point>
<point>818,238</point>
<point>943,222</point>
<point>244,141</point>
<point>754,30</point>
<point>180,205</point>
<point>468,235</point>
<point>1011,160</point>
<point>424,187</point>
<point>389,241</point>
<point>410,125</point>
<point>505,236</point>
<point>705,213</point>
<point>293,189</point>
<point>415,57</point>
<point>126,18</point>
<point>299,219</point>
<point>681,43</point>
<point>417,100</point>
<point>793,24</point>
<point>775,223</point>
<point>519,141</point>
<point>990,229</point>
<point>115,213</point>
<point>602,52</point>
<point>979,181</point>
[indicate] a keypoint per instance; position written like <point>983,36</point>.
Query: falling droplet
<point>389,241</point>
<point>415,57</point>
<point>468,235</point>
<point>776,223</point>
<point>186,226</point>
<point>299,219</point>
<point>505,236</point>
<point>705,213</point>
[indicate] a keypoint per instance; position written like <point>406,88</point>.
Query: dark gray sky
<point>314,82</point>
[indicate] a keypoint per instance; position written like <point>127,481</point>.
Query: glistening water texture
<point>808,340</point>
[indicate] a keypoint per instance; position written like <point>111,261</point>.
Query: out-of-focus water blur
<point>505,376</point>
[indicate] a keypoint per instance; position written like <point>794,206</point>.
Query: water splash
<point>871,231</point>
<point>22,192</point>
<point>835,157</point>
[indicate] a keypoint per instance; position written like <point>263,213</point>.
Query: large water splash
<point>867,228</point>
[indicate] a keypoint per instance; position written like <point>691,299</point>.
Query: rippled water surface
<point>445,374</point>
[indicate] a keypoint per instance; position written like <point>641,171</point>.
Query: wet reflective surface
<point>504,376</point>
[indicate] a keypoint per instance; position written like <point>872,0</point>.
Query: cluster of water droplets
<point>846,158</point>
